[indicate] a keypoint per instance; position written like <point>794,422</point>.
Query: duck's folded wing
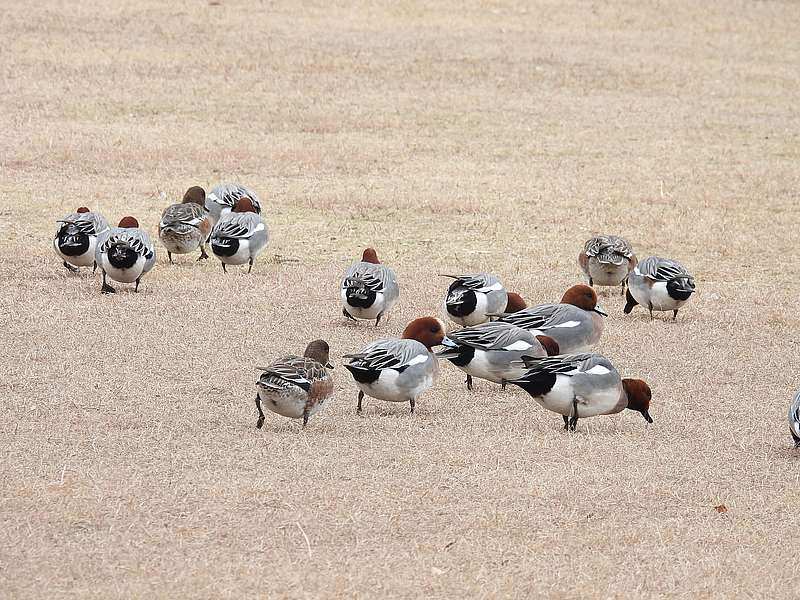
<point>239,226</point>
<point>535,317</point>
<point>228,194</point>
<point>89,225</point>
<point>493,336</point>
<point>365,275</point>
<point>135,239</point>
<point>566,364</point>
<point>387,354</point>
<point>662,269</point>
<point>183,214</point>
<point>480,282</point>
<point>294,370</point>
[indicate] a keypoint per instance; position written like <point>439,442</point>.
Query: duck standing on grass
<point>399,370</point>
<point>125,253</point>
<point>186,226</point>
<point>369,289</point>
<point>660,284</point>
<point>239,236</point>
<point>223,198</point>
<point>576,323</point>
<point>583,385</point>
<point>75,241</point>
<point>296,386</point>
<point>472,298</point>
<point>607,260</point>
<point>496,351</point>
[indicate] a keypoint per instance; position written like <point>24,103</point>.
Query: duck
<point>369,289</point>
<point>606,260</point>
<point>515,303</point>
<point>399,370</point>
<point>185,227</point>
<point>75,240</point>
<point>660,284</point>
<point>124,253</point>
<point>222,199</point>
<point>495,351</point>
<point>472,298</point>
<point>576,323</point>
<point>296,386</point>
<point>794,419</point>
<point>583,385</point>
<point>239,236</point>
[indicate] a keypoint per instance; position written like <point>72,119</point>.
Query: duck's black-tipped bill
<point>647,417</point>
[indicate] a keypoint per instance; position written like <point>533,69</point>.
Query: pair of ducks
<point>229,218</point>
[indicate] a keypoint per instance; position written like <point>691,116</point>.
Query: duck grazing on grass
<point>472,298</point>
<point>399,370</point>
<point>239,236</point>
<point>369,289</point>
<point>576,323</point>
<point>660,284</point>
<point>75,241</point>
<point>296,386</point>
<point>607,260</point>
<point>125,253</point>
<point>496,351</point>
<point>185,227</point>
<point>583,385</point>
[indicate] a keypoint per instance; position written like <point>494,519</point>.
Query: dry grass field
<point>452,137</point>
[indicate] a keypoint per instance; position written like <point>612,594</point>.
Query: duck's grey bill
<point>600,311</point>
<point>329,366</point>
<point>647,417</point>
<point>448,343</point>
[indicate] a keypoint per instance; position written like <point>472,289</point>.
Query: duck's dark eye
<point>434,329</point>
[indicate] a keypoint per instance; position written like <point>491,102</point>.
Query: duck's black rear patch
<point>539,384</point>
<point>225,246</point>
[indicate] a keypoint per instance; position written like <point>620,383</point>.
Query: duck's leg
<point>94,267</point>
<point>305,416</point>
<point>136,289</point>
<point>70,268</point>
<point>413,401</point>
<point>469,383</point>
<point>675,315</point>
<point>250,268</point>
<point>349,316</point>
<point>360,398</point>
<point>203,253</point>
<point>106,289</point>
<point>224,270</point>
<point>260,421</point>
<point>622,288</point>
<point>650,307</point>
<point>169,255</point>
<point>591,282</point>
<point>566,423</point>
<point>503,385</point>
<point>574,420</point>
<point>630,302</point>
<point>378,319</point>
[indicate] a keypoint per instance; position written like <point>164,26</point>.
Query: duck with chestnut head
<point>75,241</point>
<point>576,323</point>
<point>239,236</point>
<point>399,370</point>
<point>125,253</point>
<point>222,199</point>
<point>185,227</point>
<point>369,289</point>
<point>577,386</point>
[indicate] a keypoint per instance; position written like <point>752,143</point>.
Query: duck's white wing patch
<point>259,227</point>
<point>598,370</point>
<point>417,360</point>
<point>491,288</point>
<point>518,345</point>
<point>568,324</point>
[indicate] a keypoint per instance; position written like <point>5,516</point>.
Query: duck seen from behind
<point>75,240</point>
<point>660,284</point>
<point>607,260</point>
<point>794,419</point>
<point>577,386</point>
<point>471,299</point>
<point>369,289</point>
<point>239,236</point>
<point>399,370</point>
<point>576,323</point>
<point>296,386</point>
<point>185,227</point>
<point>222,199</point>
<point>124,253</point>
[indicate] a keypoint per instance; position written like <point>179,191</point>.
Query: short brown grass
<point>452,137</point>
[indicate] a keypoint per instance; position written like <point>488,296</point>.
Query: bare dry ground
<point>452,137</point>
